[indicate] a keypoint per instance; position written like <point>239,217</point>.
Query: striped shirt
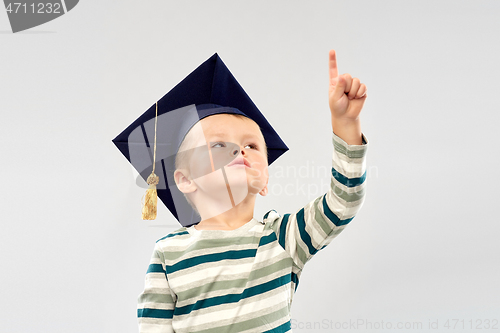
<point>243,280</point>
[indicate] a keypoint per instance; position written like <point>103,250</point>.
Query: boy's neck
<point>230,219</point>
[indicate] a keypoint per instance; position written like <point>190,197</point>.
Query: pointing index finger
<point>333,67</point>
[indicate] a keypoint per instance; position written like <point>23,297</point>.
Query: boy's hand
<point>346,94</point>
<point>346,97</point>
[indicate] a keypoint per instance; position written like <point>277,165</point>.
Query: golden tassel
<point>150,204</point>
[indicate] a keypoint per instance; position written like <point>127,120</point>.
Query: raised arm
<point>314,226</point>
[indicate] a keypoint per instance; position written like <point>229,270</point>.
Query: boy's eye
<point>218,145</point>
<point>252,146</point>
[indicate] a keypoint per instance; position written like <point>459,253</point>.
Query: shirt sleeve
<point>314,226</point>
<point>156,303</point>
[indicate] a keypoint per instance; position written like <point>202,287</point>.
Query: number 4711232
<point>39,8</point>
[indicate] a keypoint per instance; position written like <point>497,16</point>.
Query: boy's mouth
<point>239,161</point>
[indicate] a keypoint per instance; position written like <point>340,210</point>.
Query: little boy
<point>231,272</point>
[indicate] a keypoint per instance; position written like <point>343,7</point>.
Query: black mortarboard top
<point>210,89</point>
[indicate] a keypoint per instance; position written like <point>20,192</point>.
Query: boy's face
<point>235,163</point>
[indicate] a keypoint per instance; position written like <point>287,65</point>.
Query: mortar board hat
<point>152,140</point>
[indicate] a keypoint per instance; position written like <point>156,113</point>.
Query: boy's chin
<point>237,184</point>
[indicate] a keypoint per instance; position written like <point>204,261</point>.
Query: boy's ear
<point>265,190</point>
<point>183,181</point>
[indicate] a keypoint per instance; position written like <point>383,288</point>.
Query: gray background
<point>423,248</point>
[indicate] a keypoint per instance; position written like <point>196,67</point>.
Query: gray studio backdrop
<point>422,252</point>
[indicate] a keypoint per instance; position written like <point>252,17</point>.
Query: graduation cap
<point>152,141</point>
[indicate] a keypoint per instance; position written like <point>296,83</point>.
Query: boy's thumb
<point>339,87</point>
